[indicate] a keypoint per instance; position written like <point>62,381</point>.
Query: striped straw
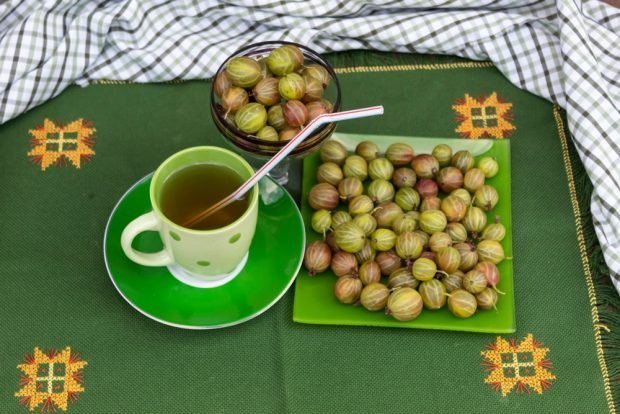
<point>280,155</point>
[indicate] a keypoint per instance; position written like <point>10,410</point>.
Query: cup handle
<point>145,222</point>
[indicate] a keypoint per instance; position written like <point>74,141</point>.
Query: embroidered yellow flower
<point>51,379</point>
<point>54,144</point>
<point>522,366</point>
<point>485,117</point>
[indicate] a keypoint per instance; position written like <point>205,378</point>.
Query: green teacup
<point>202,258</point>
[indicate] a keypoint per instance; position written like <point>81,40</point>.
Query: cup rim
<point>155,202</point>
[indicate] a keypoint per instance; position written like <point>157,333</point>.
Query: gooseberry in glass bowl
<point>265,93</point>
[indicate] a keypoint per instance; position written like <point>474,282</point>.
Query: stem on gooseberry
<point>497,290</point>
<point>408,263</point>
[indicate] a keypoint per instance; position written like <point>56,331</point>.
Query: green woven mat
<point>56,294</point>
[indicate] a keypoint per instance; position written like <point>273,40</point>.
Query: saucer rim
<point>204,327</point>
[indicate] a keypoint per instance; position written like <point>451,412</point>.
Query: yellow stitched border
<point>584,259</point>
<point>352,69</point>
<point>432,66</point>
<point>124,82</point>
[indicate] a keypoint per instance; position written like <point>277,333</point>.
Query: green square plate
<point>314,301</point>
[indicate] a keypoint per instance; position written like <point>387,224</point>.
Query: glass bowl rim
<point>269,45</point>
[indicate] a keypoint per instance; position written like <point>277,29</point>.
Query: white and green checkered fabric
<point>567,51</point>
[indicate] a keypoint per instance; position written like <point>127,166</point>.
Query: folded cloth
<point>564,51</point>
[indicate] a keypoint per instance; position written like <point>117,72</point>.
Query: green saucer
<point>275,257</point>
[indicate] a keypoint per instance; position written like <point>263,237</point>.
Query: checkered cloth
<point>565,51</point>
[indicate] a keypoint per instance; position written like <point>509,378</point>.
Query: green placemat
<point>69,341</point>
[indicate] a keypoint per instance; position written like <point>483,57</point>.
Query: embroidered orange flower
<point>55,144</point>
<point>521,366</point>
<point>484,117</point>
<point>50,379</point>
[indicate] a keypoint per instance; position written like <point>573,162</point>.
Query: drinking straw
<point>280,155</point>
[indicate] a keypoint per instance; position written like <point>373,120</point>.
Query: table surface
<point>108,358</point>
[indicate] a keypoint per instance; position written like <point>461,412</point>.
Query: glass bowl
<point>261,150</point>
